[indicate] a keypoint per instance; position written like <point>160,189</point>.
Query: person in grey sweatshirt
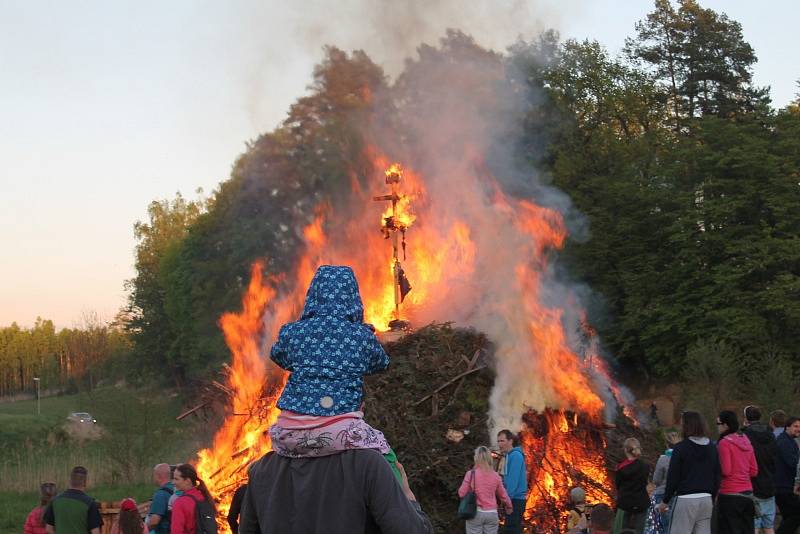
<point>660,476</point>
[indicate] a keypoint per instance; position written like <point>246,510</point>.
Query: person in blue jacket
<point>515,479</point>
<point>329,349</point>
<point>785,468</point>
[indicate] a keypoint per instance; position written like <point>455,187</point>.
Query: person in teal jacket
<point>515,479</point>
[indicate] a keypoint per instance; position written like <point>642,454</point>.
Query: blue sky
<point>106,106</point>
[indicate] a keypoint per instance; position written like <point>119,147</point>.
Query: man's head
<point>77,477</point>
<point>505,440</point>
<point>577,495</point>
<point>161,474</point>
<point>793,427</point>
<point>752,414</point>
<point>777,419</point>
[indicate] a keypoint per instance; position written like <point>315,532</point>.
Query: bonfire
<point>479,255</point>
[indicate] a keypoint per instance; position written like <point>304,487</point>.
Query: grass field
<point>135,430</point>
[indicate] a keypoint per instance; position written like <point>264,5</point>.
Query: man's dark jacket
<point>786,463</point>
<point>763,441</point>
<point>353,492</point>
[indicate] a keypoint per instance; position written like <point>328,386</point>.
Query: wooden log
<point>190,412</point>
<point>452,380</point>
<point>222,388</point>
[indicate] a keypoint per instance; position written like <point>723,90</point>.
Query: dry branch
<point>440,388</point>
<point>190,412</point>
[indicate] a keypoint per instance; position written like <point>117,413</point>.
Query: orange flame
<point>562,452</point>
<point>241,438</point>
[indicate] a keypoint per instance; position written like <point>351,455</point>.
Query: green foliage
<point>774,384</point>
<point>712,377</point>
<point>135,430</point>
<point>686,182</point>
<point>70,358</point>
<point>700,57</point>
<point>693,230</point>
<point>147,318</point>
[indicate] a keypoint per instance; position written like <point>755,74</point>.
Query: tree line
<point>64,360</point>
<point>688,178</point>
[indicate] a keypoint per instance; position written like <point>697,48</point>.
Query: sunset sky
<point>107,106</point>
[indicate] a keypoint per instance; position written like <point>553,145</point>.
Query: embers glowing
<point>562,450</point>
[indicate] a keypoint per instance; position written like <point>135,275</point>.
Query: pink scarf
<point>301,436</point>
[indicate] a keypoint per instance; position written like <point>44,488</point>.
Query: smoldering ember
<point>573,260</point>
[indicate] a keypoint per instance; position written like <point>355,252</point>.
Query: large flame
<point>241,439</point>
<point>563,450</point>
<point>476,256</point>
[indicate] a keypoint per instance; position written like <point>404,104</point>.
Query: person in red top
<point>488,487</point>
<point>34,524</point>
<point>183,518</point>
<point>737,462</point>
<point>129,520</point>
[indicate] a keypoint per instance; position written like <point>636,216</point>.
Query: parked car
<point>81,417</point>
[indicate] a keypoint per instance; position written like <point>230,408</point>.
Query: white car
<point>81,417</point>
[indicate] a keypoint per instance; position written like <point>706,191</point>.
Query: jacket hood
<point>334,292</point>
<point>740,441</point>
<point>695,447</point>
<point>760,433</point>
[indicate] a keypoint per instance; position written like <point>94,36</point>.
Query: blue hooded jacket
<point>329,349</point>
<point>516,477</point>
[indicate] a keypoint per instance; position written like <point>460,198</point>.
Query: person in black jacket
<point>785,469</point>
<point>236,508</point>
<point>631,481</point>
<point>763,441</point>
<point>692,478</point>
<point>353,492</point>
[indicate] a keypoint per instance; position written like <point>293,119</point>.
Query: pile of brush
<point>431,404</point>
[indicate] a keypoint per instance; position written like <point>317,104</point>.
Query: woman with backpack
<point>194,505</point>
<point>488,488</point>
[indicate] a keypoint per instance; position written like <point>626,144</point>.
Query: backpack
<point>163,525</point>
<point>204,516</point>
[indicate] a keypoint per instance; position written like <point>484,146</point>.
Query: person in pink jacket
<point>738,465</point>
<point>34,523</point>
<point>488,488</point>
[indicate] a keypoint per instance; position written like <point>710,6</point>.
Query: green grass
<point>15,506</point>
<point>138,430</point>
